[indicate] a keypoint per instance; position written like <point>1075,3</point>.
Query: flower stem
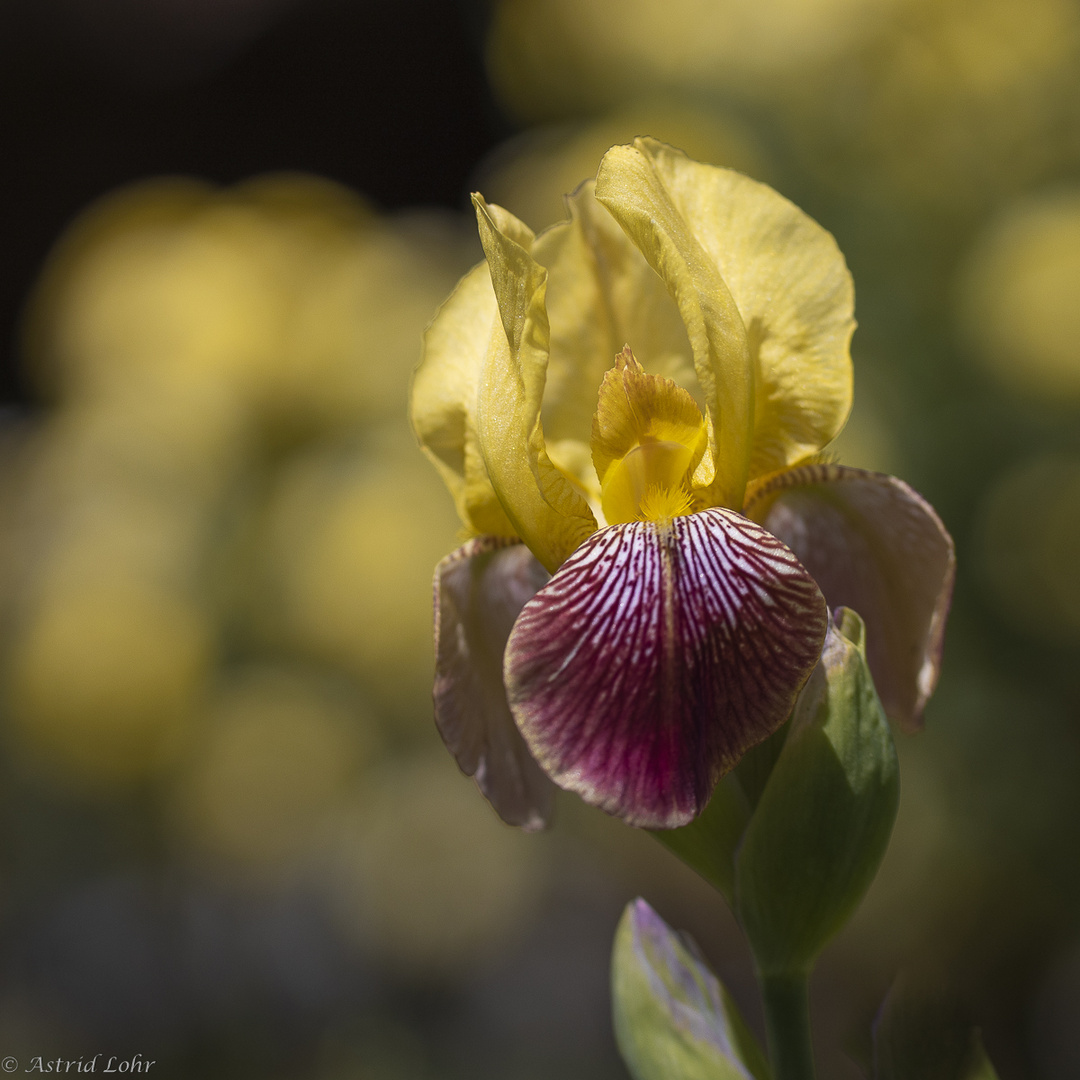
<point>787,1023</point>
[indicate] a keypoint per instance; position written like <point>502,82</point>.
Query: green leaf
<point>756,765</point>
<point>673,1018</point>
<point>824,818</point>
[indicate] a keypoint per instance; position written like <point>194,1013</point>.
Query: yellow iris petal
<point>718,281</point>
<point>648,437</point>
<point>601,294</point>
<point>545,508</point>
<point>635,183</point>
<point>443,400</point>
<point>793,292</point>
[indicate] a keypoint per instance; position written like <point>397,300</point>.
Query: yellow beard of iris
<point>649,484</point>
<point>648,437</point>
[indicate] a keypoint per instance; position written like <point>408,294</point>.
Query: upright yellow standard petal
<point>444,395</point>
<point>545,508</point>
<point>793,291</point>
<point>602,295</point>
<point>633,186</point>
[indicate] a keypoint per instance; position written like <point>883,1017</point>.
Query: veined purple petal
<point>874,545</point>
<point>657,656</point>
<point>479,590</point>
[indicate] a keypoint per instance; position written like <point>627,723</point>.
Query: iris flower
<point>629,410</point>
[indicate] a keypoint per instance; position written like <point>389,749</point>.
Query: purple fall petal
<point>876,546</point>
<point>657,656</point>
<point>479,590</point>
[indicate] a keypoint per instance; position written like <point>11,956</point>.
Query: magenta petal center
<point>657,656</point>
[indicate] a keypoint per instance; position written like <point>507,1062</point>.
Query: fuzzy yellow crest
<point>648,437</point>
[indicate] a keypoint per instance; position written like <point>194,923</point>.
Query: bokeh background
<point>230,839</point>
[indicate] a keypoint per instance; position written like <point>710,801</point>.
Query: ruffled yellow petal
<point>638,186</point>
<point>793,291</point>
<point>648,437</point>
<point>545,508</point>
<point>444,395</point>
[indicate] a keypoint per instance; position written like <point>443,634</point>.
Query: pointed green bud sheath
<point>673,1018</point>
<point>825,815</point>
<point>708,844</point>
<point>927,1059</point>
<point>926,1038</point>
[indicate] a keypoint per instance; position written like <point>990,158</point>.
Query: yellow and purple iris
<point>655,542</point>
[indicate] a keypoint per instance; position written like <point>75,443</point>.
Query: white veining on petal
<point>657,655</point>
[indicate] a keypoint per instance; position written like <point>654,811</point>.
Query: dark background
<point>387,98</point>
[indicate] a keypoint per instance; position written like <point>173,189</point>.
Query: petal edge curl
<point>657,656</point>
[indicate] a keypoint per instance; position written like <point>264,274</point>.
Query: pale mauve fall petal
<point>876,546</point>
<point>657,656</point>
<point>479,591</point>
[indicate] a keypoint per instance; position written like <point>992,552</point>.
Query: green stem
<point>787,1023</point>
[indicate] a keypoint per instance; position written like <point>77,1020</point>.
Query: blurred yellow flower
<point>558,57</point>
<point>341,564</point>
<point>958,103</point>
<point>105,675</point>
<point>191,340</point>
<point>1020,296</point>
<point>284,297</point>
<point>279,754</point>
